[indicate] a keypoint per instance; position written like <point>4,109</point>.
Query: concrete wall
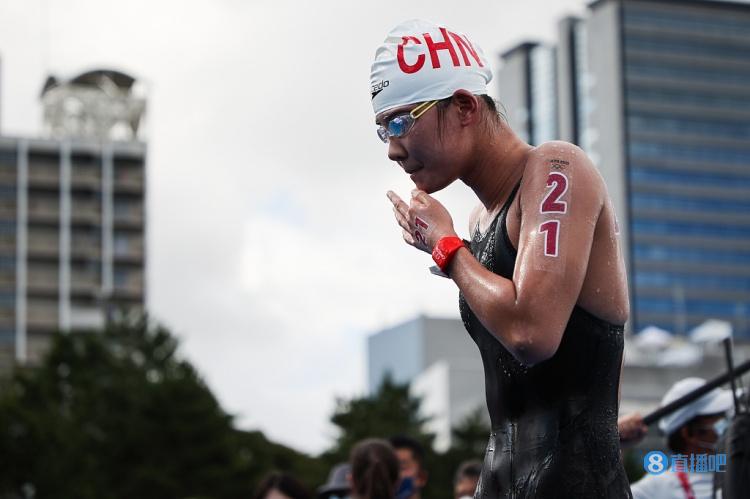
<point>398,350</point>
<point>606,131</point>
<point>513,81</point>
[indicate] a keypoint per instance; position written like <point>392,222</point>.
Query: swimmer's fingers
<point>397,202</point>
<point>409,238</point>
<point>401,219</point>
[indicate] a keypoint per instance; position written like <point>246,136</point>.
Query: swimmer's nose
<point>396,151</point>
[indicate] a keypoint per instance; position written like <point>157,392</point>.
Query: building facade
<point>655,91</point>
<point>72,237</point>
<point>528,78</point>
<point>441,364</point>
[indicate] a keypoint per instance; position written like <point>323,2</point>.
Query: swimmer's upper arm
<point>561,198</point>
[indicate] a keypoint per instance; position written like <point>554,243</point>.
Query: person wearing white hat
<point>542,283</point>
<point>691,430</point>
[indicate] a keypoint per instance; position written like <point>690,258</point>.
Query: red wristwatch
<point>444,250</point>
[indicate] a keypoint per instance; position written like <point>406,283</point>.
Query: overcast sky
<point>272,251</point>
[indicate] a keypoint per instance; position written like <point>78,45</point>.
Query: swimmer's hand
<point>424,221</point>
<point>632,429</point>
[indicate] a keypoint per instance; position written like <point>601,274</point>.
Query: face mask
<point>406,488</point>
<point>719,427</point>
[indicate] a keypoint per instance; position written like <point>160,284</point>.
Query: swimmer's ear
<point>467,105</point>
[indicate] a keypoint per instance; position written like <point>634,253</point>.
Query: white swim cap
<point>716,401</point>
<point>421,61</point>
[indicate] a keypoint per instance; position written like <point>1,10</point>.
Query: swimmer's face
<point>427,157</point>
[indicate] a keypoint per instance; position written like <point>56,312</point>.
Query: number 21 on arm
<point>552,203</point>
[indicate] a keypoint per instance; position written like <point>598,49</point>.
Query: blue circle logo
<point>655,462</point>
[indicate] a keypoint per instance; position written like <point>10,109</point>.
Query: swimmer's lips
<point>413,172</point>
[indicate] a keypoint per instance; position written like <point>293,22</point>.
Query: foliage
<point>390,411</point>
<point>117,414</point>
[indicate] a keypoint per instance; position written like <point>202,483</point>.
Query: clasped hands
<point>424,221</point>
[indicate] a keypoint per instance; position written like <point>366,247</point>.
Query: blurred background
<point>214,164</point>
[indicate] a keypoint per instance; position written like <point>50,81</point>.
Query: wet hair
<point>493,112</point>
<point>284,483</point>
<point>374,470</point>
<point>406,442</point>
<point>468,469</point>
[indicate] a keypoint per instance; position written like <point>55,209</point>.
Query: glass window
<point>7,227</point>
<point>649,252</point>
<point>708,307</point>
<point>655,123</point>
<point>729,26</point>
<point>684,45</point>
<point>680,279</point>
<point>690,178</point>
<point>8,158</point>
<point>121,277</point>
<point>543,95</point>
<point>7,336</point>
<point>642,149</point>
<point>7,299</point>
<point>689,229</point>
<point>676,202</point>
<point>665,70</point>
<point>685,97</point>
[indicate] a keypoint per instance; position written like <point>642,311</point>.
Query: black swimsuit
<point>554,425</point>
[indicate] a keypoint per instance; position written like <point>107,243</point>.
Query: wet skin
<point>529,312</point>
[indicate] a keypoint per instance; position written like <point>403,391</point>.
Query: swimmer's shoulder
<point>565,158</point>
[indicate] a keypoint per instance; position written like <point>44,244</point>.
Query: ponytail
<point>374,470</point>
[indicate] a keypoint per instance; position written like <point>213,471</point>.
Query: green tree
<point>390,411</point>
<point>470,436</point>
<point>117,414</point>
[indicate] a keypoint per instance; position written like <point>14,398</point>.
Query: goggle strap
<point>422,108</point>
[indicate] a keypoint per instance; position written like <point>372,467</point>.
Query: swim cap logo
<point>376,89</point>
<point>433,47</point>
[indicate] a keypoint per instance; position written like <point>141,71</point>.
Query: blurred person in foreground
<point>374,470</point>
<point>411,464</point>
<point>337,486</point>
<point>467,477</point>
<point>280,485</point>
<point>694,430</point>
<point>542,283</point>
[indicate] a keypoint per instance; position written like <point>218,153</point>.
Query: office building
<point>439,361</point>
<point>528,79</point>
<point>72,215</point>
<point>656,93</point>
<point>442,366</point>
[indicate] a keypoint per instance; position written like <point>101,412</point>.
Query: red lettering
<point>444,45</point>
<point>421,223</point>
<point>552,203</point>
<point>551,231</point>
<point>463,45</point>
<point>420,238</point>
<point>405,67</point>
